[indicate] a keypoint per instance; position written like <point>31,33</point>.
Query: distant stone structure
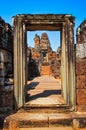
<point>37,42</point>
<point>44,42</point>
<point>43,60</point>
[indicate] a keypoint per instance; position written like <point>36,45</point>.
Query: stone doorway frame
<point>63,23</point>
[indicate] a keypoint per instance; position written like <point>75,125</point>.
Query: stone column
<point>64,63</point>
<point>71,64</point>
<point>67,63</point>
<point>19,62</point>
<point>25,65</point>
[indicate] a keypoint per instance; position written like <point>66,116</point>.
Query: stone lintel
<point>51,22</point>
<point>44,16</point>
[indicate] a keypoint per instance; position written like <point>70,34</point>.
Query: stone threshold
<point>48,128</point>
<point>34,120</point>
<point>53,128</point>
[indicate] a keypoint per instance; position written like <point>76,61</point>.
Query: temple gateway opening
<point>44,56</point>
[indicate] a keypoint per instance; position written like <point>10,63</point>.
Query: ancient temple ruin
<point>65,52</point>
<point>43,60</point>
<point>68,63</point>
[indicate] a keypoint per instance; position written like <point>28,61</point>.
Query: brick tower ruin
<point>37,41</point>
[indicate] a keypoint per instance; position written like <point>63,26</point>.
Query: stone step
<point>53,128</point>
<point>48,128</point>
<point>46,109</point>
<point>37,104</point>
<point>35,120</point>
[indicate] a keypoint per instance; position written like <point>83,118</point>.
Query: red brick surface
<point>45,70</point>
<point>81,66</point>
<point>81,97</point>
<point>81,81</point>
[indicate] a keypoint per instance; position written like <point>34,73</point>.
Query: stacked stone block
<point>6,64</point>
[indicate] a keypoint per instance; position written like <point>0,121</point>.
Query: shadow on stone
<point>45,93</point>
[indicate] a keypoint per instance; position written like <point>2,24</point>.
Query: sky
<point>10,8</point>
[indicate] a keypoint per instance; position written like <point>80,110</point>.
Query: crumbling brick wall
<point>81,67</point>
<point>81,33</point>
<point>6,65</point>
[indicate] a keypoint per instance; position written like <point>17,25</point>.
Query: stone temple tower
<point>37,42</point>
<point>44,42</point>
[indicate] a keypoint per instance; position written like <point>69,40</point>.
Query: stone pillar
<point>64,63</point>
<point>25,65</point>
<point>68,63</point>
<point>19,62</point>
<point>71,64</point>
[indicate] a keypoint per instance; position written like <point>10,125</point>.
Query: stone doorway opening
<point>44,60</point>
<point>50,22</point>
<point>43,53</point>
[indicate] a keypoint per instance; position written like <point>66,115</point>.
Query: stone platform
<point>44,91</point>
<point>24,119</point>
<point>45,109</point>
